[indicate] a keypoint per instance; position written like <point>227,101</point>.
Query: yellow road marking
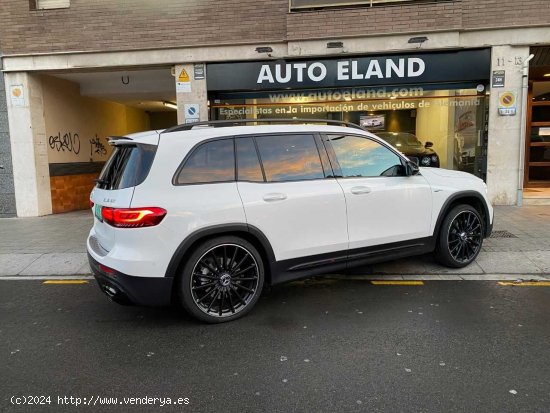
<point>525,284</point>
<point>65,282</point>
<point>397,282</point>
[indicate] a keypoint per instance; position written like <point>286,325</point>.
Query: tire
<point>222,280</point>
<point>460,237</point>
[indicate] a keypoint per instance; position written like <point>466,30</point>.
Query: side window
<point>290,158</point>
<point>211,162</point>
<point>363,157</point>
<point>248,164</point>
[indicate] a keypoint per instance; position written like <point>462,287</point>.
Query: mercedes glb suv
<point>205,215</point>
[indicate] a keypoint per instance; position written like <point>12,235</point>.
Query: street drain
<point>502,234</point>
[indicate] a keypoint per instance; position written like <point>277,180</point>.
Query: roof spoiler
<point>114,139</point>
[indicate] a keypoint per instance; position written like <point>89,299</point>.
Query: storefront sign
<point>498,78</point>
<point>464,65</point>
<point>507,104</point>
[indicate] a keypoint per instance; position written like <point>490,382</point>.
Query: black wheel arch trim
<point>456,197</point>
<point>217,230</point>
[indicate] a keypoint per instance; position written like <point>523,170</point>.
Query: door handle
<point>275,196</point>
<point>359,190</point>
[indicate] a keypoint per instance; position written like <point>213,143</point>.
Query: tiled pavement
<point>56,245</point>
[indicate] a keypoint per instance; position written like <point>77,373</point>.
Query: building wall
<point>417,17</point>
<point>71,192</point>
<point>99,25</point>
<point>7,190</point>
<point>77,128</point>
<point>89,25</point>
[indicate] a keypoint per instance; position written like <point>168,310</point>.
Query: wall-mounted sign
<point>17,95</point>
<point>191,111</point>
<point>455,66</point>
<point>507,104</point>
<point>198,71</point>
<point>497,80</point>
<point>183,83</point>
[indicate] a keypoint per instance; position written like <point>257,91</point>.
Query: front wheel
<point>460,238</point>
<point>222,280</point>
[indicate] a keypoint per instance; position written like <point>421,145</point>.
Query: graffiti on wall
<point>97,147</point>
<point>69,142</point>
<point>72,146</point>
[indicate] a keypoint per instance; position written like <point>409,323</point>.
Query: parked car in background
<point>409,145</point>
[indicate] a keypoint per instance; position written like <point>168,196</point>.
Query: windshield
<point>400,139</point>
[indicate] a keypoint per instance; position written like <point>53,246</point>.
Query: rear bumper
<point>127,289</point>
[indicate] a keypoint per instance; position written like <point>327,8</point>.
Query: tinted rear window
<point>209,163</point>
<point>128,166</point>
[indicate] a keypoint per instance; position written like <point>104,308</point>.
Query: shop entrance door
<point>537,140</point>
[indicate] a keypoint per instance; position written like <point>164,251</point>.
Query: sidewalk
<point>55,245</point>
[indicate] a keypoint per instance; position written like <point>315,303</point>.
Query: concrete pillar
<point>28,144</point>
<point>193,93</point>
<point>503,161</point>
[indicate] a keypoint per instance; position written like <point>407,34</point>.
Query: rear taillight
<point>133,217</point>
<point>91,203</point>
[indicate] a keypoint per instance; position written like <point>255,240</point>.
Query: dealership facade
<point>457,76</point>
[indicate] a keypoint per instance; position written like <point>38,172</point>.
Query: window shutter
<point>52,4</point>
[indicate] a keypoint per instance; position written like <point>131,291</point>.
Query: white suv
<point>206,214</point>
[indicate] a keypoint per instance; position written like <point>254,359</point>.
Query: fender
<point>457,196</point>
<point>216,230</point>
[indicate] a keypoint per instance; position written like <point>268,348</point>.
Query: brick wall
<point>90,25</point>
<point>369,20</point>
<point>498,13</point>
<point>71,192</point>
<point>417,17</point>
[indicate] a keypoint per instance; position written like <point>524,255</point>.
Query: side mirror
<point>411,168</point>
<point>428,145</point>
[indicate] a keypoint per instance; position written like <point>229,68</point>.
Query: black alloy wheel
<point>464,236</point>
<point>225,280</point>
<point>460,238</point>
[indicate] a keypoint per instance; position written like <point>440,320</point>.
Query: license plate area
<point>97,212</point>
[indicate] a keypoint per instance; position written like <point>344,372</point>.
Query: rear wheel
<point>222,279</point>
<point>460,238</point>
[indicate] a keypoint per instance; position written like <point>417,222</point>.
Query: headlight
<point>426,161</point>
<point>434,158</point>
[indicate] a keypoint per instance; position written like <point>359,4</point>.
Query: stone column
<point>193,93</point>
<point>7,191</point>
<point>505,131</point>
<point>28,144</point>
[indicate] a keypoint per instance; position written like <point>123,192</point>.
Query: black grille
<point>502,234</point>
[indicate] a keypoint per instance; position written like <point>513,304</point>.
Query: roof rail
<point>238,122</point>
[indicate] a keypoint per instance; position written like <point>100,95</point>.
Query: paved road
<point>327,345</point>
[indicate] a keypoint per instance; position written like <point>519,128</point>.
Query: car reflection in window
<point>362,157</point>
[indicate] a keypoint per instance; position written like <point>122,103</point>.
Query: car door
<point>291,196</point>
<point>383,204</point>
